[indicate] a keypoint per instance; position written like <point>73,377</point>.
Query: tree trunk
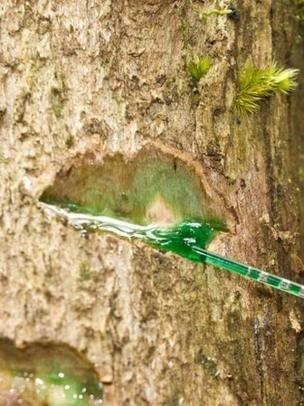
<point>92,78</point>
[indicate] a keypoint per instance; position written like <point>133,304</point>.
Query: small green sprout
<point>258,83</point>
<point>199,67</point>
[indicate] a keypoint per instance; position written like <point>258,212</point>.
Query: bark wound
<point>46,374</point>
<point>150,187</point>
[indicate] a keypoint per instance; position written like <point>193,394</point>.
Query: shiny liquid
<point>188,239</point>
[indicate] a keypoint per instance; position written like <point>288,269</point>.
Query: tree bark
<point>109,76</point>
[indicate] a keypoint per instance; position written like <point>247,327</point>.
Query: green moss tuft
<point>258,83</point>
<point>199,67</point>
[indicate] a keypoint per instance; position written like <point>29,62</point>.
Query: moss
<point>199,67</point>
<point>256,84</point>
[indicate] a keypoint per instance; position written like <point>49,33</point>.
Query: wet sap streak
<point>188,239</point>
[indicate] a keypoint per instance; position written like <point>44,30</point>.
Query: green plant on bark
<point>255,84</point>
<point>199,67</point>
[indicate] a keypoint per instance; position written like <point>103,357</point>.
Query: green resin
<point>188,239</point>
<point>125,196</point>
<point>47,375</point>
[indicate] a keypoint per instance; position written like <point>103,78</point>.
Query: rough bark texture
<point>109,76</point>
